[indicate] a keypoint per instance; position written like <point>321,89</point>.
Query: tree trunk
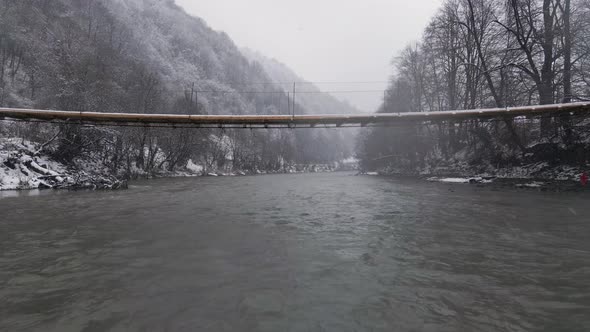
<point>546,86</point>
<point>567,70</point>
<point>567,53</point>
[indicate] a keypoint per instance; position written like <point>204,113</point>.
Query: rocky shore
<point>523,183</point>
<point>23,166</point>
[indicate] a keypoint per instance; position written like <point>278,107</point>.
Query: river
<point>314,252</point>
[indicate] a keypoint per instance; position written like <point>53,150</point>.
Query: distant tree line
<point>485,54</point>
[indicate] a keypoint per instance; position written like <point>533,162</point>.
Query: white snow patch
<point>460,180</point>
<point>191,166</point>
<point>350,160</point>
<point>531,185</point>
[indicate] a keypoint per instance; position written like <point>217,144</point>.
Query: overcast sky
<point>324,40</point>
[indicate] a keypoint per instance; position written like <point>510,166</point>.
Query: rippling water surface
<point>325,252</point>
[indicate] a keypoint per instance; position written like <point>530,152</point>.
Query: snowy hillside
<point>145,56</point>
<point>311,97</point>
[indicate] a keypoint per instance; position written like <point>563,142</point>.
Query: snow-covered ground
<point>23,167</point>
<point>463,172</point>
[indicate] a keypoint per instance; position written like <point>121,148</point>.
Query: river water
<point>319,252</point>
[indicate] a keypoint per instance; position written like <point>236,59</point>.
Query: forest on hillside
<point>143,56</point>
<point>478,54</point>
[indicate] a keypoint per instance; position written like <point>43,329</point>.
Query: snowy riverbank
<point>498,182</point>
<point>23,166</point>
<point>534,173</point>
<point>540,176</point>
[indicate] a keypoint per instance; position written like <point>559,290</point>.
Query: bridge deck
<point>297,121</point>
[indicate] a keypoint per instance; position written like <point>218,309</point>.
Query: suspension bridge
<point>287,121</point>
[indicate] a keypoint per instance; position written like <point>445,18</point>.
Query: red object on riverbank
<point>584,179</point>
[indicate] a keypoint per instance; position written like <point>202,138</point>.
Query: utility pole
<point>191,99</point>
<point>294,84</point>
